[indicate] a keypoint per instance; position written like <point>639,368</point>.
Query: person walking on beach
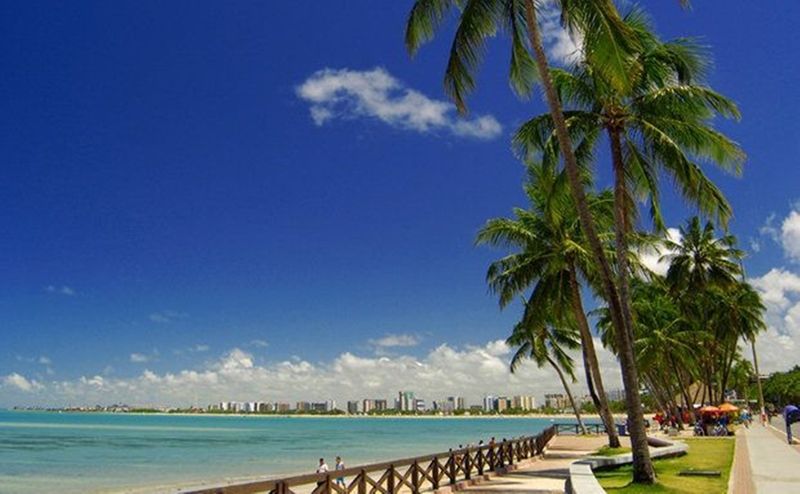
<point>322,468</point>
<point>339,466</point>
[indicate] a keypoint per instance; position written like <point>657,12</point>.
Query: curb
<point>581,475</point>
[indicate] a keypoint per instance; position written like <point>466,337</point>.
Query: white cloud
<point>779,345</point>
<point>768,228</point>
<point>139,358</point>
<point>62,290</point>
<point>790,235</point>
<point>199,348</point>
<point>395,340</point>
<point>651,257</point>
<point>349,94</point>
<point>21,383</point>
<point>446,370</point>
<point>166,316</point>
<point>259,343</point>
<point>44,360</point>
<point>562,47</point>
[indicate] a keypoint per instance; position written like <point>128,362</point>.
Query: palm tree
<point>551,258</point>
<point>607,44</point>
<point>658,123</point>
<point>700,259</point>
<point>705,277</point>
<point>545,343</point>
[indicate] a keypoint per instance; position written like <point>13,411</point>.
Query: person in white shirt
<point>322,468</point>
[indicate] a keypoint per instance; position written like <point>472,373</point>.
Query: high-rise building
<point>555,400</point>
<point>419,405</point>
<point>501,404</point>
<point>406,401</point>
<point>489,403</point>
<point>367,405</point>
<point>282,407</point>
<point>523,402</point>
<point>303,406</point>
<point>381,405</point>
<point>352,407</point>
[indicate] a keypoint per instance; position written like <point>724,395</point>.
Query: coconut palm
<point>701,259</point>
<point>550,258</point>
<point>608,44</point>
<point>545,343</point>
<point>658,123</point>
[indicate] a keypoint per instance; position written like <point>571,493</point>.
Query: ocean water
<point>73,452</point>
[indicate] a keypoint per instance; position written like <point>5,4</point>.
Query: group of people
<point>323,468</point>
<point>713,423</point>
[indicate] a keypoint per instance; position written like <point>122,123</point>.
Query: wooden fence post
<point>362,482</point>
<point>435,472</point>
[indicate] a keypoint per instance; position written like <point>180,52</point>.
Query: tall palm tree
<point>551,258</point>
<point>704,276</point>
<point>660,122</point>
<point>607,43</point>
<point>545,343</point>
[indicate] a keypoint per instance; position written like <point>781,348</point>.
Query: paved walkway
<point>774,465</point>
<point>546,475</point>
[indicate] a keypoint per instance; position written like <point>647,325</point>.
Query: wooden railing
<point>412,474</point>
<point>576,429</point>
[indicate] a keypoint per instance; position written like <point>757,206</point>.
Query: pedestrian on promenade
<point>791,414</point>
<point>322,468</point>
<point>339,466</point>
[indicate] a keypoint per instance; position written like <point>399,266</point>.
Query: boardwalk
<point>545,475</point>
<point>774,465</point>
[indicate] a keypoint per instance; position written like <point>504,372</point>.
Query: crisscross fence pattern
<point>412,475</point>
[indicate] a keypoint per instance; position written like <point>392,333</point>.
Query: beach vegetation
<point>705,454</point>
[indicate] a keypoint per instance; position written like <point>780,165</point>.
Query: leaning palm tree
<point>546,344</point>
<point>659,123</point>
<point>608,44</point>
<point>550,258</point>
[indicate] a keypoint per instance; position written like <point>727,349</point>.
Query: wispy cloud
<point>259,343</point>
<point>349,94</point>
<point>61,290</point>
<point>21,383</point>
<point>396,340</point>
<point>139,358</point>
<point>166,316</point>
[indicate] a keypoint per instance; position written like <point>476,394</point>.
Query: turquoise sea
<point>92,452</point>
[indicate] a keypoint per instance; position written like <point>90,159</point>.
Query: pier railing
<point>576,429</point>
<point>410,474</point>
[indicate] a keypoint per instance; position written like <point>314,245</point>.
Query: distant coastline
<point>553,416</point>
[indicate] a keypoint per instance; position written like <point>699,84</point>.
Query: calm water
<point>41,452</point>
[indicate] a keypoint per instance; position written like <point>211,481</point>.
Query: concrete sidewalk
<point>774,465</point>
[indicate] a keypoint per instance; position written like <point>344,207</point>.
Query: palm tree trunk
<point>587,371</point>
<point>642,466</point>
<point>758,382</point>
<point>643,471</point>
<point>591,360</point>
<point>569,393</point>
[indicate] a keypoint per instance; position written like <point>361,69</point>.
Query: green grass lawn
<point>606,451</point>
<point>704,454</point>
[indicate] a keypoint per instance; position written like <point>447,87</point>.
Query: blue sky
<point>170,204</point>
